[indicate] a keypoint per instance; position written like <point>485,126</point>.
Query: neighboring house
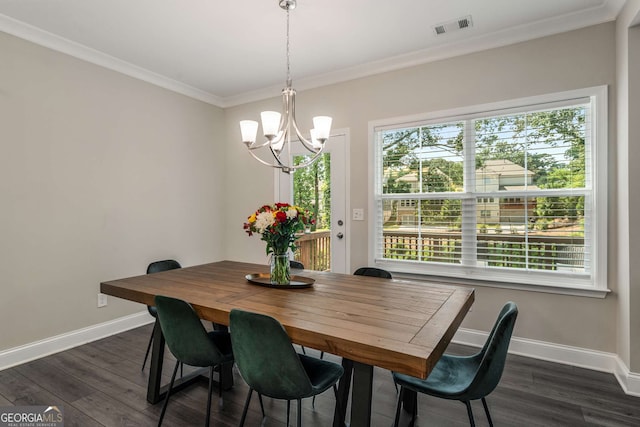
<point>494,176</point>
<point>406,209</point>
<point>503,175</point>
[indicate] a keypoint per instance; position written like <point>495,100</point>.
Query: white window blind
<point>506,192</point>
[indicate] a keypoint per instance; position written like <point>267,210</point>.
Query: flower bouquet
<point>278,225</point>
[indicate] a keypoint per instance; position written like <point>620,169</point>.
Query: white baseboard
<point>574,356</point>
<point>629,381</point>
<point>35,350</point>
<point>567,355</point>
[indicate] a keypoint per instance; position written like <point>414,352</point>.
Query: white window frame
<point>594,284</point>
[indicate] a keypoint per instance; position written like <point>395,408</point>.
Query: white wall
<point>99,175</point>
<point>573,60</point>
<point>628,196</point>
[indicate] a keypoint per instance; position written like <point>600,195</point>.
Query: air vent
<point>453,26</point>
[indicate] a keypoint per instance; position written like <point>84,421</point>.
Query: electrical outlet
<point>102,300</point>
<point>358,215</point>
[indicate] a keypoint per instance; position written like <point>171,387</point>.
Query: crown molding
<point>607,11</point>
<point>60,44</point>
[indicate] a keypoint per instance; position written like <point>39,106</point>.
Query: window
<point>510,192</point>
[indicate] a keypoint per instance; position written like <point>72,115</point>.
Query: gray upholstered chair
<point>466,378</point>
<point>270,365</point>
<point>191,344</point>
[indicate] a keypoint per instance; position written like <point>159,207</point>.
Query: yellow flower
<point>252,218</point>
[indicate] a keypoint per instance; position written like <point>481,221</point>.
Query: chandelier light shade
<point>280,129</point>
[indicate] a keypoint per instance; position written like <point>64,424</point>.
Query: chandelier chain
<point>288,54</point>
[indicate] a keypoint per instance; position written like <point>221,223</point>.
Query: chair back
<point>185,336</point>
<point>265,356</point>
<point>494,353</point>
<point>167,264</point>
<point>296,264</point>
<point>373,272</point>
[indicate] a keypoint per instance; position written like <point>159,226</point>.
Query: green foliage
<point>428,159</point>
<point>312,189</point>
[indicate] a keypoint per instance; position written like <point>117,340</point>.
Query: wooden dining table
<point>397,324</point>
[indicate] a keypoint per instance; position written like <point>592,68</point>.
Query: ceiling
<point>230,52</point>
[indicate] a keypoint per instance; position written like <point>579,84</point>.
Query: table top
<point>401,325</point>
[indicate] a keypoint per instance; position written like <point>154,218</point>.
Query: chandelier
<point>279,129</point>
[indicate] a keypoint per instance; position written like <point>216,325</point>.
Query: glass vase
<point>280,270</point>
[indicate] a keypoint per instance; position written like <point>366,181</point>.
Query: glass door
<point>321,189</point>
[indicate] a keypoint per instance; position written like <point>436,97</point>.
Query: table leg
<point>410,402</point>
<point>361,395</point>
<point>344,387</point>
<point>155,369</point>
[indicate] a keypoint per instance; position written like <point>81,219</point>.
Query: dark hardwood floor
<point>100,384</point>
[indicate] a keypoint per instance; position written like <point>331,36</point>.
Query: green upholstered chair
<point>156,267</point>
<point>299,266</point>
<point>270,366</point>
<point>466,378</point>
<point>373,272</point>
<point>296,264</point>
<point>191,344</point>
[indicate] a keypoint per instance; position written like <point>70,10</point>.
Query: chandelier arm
<point>255,146</point>
<point>264,162</point>
<point>276,155</point>
<point>307,163</point>
<point>305,142</point>
<point>285,168</point>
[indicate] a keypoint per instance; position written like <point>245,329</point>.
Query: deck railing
<point>314,250</point>
<point>496,250</point>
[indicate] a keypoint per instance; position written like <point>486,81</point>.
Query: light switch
<point>358,215</point>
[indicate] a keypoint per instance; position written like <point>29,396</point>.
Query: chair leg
<point>206,421</point>
<point>221,377</point>
<point>246,407</point>
<point>486,411</point>
<point>146,355</point>
<point>414,415</point>
<point>166,399</point>
<point>313,400</point>
<point>261,405</point>
<point>299,412</point>
<point>470,413</point>
<point>399,407</point>
<point>288,411</point>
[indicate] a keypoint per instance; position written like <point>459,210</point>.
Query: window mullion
<point>469,242</point>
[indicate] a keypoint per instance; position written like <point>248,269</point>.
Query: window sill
<point>561,290</point>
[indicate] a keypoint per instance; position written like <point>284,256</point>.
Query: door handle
<point>340,235</point>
